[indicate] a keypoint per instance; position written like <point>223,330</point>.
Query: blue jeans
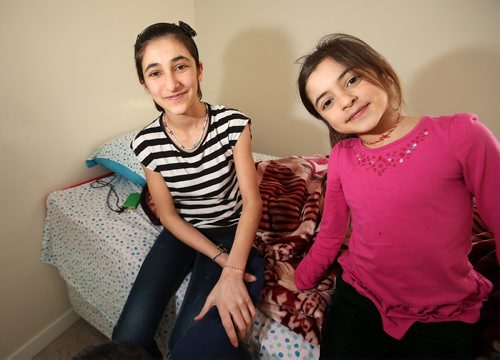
<point>163,270</point>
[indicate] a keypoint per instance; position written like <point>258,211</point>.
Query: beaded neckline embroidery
<point>396,156</point>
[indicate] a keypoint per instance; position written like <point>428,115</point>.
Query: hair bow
<point>188,30</point>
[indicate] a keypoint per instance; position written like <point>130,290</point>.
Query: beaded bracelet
<point>234,268</point>
<point>221,249</point>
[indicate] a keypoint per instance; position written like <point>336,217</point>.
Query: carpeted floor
<point>76,338</point>
<point>81,335</point>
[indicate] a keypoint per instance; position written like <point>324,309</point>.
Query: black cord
<point>101,183</point>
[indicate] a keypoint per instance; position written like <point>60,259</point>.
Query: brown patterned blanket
<point>291,190</point>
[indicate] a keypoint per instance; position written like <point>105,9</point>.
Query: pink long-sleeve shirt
<point>411,207</point>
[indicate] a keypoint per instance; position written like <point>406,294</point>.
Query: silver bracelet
<point>222,250</point>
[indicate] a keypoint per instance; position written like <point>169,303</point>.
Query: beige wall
<point>447,53</point>
<point>67,83</point>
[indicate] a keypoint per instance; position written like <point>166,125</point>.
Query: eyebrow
<point>175,59</point>
<point>342,74</point>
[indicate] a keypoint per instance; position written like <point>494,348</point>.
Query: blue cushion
<point>117,156</point>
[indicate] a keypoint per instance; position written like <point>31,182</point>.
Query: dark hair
<point>182,33</point>
<point>354,53</point>
<point>113,350</point>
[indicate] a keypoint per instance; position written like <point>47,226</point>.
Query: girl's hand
<point>235,307</point>
<point>286,275</point>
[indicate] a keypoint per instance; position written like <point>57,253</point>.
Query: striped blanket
<point>291,189</point>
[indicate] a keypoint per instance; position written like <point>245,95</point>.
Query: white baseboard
<point>45,337</point>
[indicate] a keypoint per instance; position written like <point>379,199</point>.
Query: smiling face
<point>346,100</point>
<point>171,76</point>
<point>336,53</point>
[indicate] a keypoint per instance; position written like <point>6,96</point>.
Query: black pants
<point>353,330</point>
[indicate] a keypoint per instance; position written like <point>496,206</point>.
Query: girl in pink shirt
<point>406,184</point>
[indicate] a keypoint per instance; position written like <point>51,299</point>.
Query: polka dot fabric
<point>98,253</point>
<point>271,340</point>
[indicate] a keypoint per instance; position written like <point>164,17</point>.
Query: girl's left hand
<point>235,306</point>
<point>286,275</point>
<point>222,260</point>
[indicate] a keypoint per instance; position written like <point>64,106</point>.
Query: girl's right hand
<point>286,275</point>
<point>234,304</point>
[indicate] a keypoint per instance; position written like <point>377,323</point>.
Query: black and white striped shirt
<point>202,183</point>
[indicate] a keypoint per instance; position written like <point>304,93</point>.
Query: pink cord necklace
<point>385,135</point>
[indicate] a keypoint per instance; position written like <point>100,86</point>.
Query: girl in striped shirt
<point>200,173</point>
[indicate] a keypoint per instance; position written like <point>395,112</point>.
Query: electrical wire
<point>107,182</point>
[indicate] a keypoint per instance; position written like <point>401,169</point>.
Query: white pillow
<point>117,156</point>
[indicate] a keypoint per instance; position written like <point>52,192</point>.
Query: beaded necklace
<point>197,143</point>
<point>385,135</point>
